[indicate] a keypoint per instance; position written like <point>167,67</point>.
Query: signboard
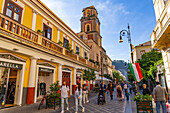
<point>10,65</point>
<point>46,70</point>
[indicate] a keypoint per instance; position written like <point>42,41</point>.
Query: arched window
<point>88,13</point>
<point>88,28</point>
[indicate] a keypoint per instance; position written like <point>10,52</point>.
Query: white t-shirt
<point>64,91</point>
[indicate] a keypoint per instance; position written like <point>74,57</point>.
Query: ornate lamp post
<point>126,33</point>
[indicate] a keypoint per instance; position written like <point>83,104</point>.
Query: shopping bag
<point>168,107</point>
<point>123,96</point>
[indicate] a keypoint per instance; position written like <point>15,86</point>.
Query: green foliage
<point>39,31</point>
<point>130,76</point>
<point>140,97</point>
<point>53,90</point>
<point>97,63</point>
<point>86,57</point>
<point>89,75</point>
<point>107,76</point>
<point>147,64</point>
<point>78,53</point>
<point>60,43</point>
<point>118,76</point>
<point>153,69</point>
<point>68,47</point>
<point>91,60</point>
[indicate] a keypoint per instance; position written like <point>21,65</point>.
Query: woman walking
<point>85,94</point>
<point>111,89</point>
<point>119,92</point>
<point>78,97</point>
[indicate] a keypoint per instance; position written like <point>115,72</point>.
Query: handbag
<point>168,107</point>
<point>123,96</point>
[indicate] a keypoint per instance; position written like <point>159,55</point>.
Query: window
<point>81,37</point>
<point>85,54</point>
<point>12,10</point>
<point>142,52</point>
<point>66,43</point>
<point>77,49</point>
<point>47,32</point>
<point>88,28</point>
<point>88,13</point>
<point>97,58</point>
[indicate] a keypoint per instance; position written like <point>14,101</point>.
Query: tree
<point>108,76</point>
<point>130,76</point>
<point>147,63</point>
<point>118,76</point>
<point>89,75</point>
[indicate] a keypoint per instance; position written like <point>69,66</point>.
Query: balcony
<point>71,55</point>
<point>161,33</point>
<point>21,34</point>
<point>81,59</point>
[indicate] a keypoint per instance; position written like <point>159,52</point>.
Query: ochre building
<point>37,49</point>
<point>160,37</point>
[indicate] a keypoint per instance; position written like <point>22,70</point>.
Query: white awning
<point>104,79</point>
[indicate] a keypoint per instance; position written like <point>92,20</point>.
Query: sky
<point>114,16</point>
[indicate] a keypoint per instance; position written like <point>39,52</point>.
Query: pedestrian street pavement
<point>111,106</point>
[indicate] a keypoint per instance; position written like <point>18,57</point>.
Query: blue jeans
<point>62,102</point>
<point>80,103</point>
<point>163,104</point>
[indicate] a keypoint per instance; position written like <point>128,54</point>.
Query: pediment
<point>46,64</point>
<point>11,56</point>
<point>66,69</point>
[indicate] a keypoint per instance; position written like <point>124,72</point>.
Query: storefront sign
<point>10,65</point>
<point>46,70</point>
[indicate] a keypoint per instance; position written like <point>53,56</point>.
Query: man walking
<point>160,97</point>
<point>103,88</point>
<point>64,96</point>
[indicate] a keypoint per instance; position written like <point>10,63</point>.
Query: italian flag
<point>136,71</point>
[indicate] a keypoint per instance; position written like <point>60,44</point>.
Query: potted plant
<point>143,102</point>
<point>40,32</point>
<point>68,47</point>
<point>53,97</point>
<point>78,53</point>
<point>91,60</point>
<point>60,43</point>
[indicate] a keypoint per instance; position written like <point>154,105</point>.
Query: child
<point>127,95</point>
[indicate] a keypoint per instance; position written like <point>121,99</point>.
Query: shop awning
<point>104,79</point>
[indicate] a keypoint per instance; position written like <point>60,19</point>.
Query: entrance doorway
<point>9,80</point>
<point>45,79</point>
<point>66,77</point>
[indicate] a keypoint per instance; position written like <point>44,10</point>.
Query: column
<point>60,74</point>
<point>74,81</point>
<point>34,19</point>
<point>31,84</point>
<point>58,38</point>
<point>73,45</point>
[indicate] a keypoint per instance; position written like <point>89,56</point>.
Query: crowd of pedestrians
<point>123,89</point>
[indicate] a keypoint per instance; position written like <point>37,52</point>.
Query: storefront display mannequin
<point>42,88</point>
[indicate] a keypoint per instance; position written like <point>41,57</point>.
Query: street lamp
<point>126,33</point>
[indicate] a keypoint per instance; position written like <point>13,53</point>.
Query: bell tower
<point>90,24</point>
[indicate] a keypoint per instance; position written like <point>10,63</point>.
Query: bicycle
<point>42,100</point>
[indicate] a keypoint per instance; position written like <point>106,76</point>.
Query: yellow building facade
<point>160,37</point>
<point>37,49</point>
